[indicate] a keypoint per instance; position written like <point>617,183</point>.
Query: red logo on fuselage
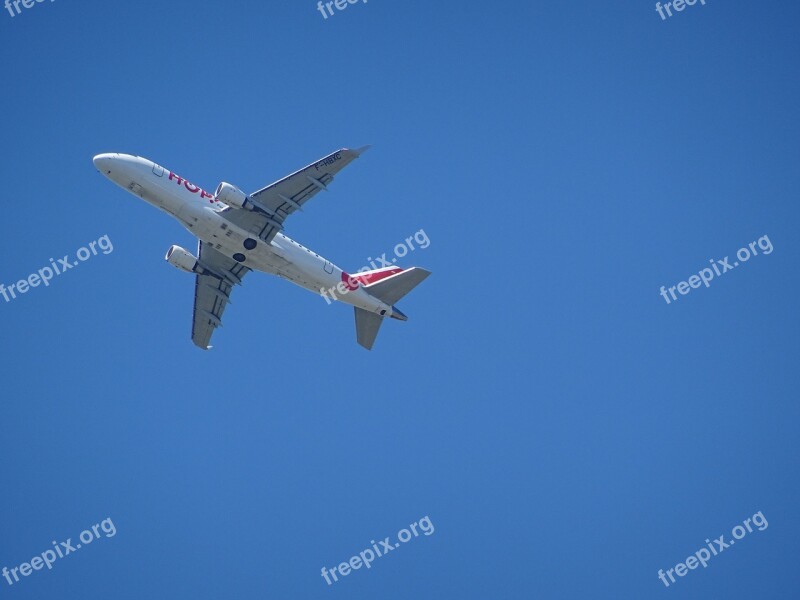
<point>192,187</point>
<point>350,282</point>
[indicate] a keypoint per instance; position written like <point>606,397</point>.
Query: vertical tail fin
<point>390,286</point>
<point>397,285</point>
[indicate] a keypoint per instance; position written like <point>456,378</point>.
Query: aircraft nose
<point>102,163</point>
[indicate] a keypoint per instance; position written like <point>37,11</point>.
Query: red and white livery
<point>239,233</point>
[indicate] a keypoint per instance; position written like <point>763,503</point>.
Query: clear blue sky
<point>567,431</point>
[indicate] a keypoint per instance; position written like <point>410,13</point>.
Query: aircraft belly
<point>281,258</point>
<point>300,277</point>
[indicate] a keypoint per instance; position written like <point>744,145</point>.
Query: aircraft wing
<point>280,199</point>
<point>212,292</point>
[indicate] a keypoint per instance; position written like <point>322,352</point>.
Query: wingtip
<point>360,151</point>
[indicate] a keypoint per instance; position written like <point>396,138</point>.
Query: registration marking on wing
<point>328,161</point>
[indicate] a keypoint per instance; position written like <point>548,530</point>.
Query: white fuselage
<point>201,213</point>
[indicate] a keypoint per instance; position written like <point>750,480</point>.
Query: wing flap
<point>212,293</point>
<point>288,195</point>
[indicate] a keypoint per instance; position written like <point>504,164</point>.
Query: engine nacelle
<point>182,259</point>
<point>231,195</point>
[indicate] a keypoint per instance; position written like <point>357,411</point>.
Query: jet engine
<point>232,196</point>
<point>182,259</point>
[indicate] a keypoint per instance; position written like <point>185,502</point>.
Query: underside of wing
<point>212,292</point>
<point>278,200</point>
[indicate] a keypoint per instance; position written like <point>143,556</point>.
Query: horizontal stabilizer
<point>367,326</point>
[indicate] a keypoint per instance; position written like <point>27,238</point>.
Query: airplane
<point>239,233</point>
